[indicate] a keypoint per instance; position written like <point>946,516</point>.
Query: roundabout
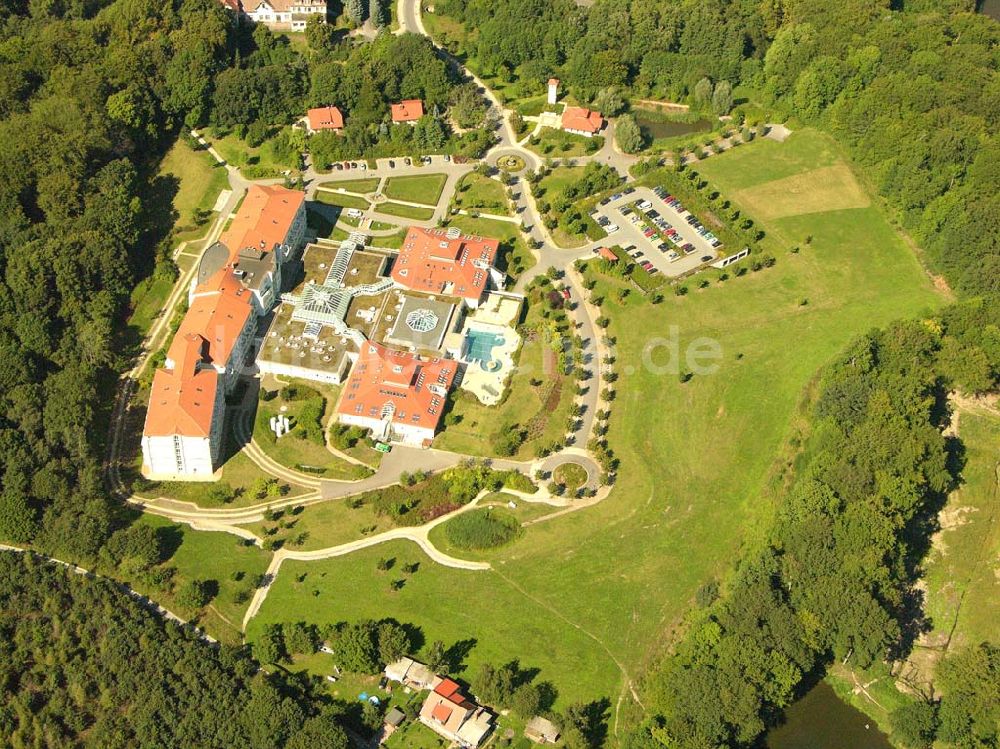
<point>511,162</point>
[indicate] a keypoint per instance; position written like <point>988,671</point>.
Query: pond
<point>821,720</point>
<point>655,125</point>
<point>990,8</point>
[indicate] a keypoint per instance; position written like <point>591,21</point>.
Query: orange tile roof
<point>578,118</point>
<point>441,713</point>
<point>553,81</point>
<point>217,315</point>
<point>431,262</point>
<point>409,110</point>
<point>182,399</point>
<point>264,218</point>
<point>325,118</point>
<point>607,254</point>
<point>416,387</point>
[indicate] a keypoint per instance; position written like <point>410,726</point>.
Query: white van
<point>354,213</point>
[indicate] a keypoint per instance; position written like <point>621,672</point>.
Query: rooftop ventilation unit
<point>453,232</point>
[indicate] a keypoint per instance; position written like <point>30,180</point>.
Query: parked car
<point>392,164</point>
<point>338,167</point>
<point>426,159</point>
<point>616,196</point>
<point>612,229</point>
<point>652,214</point>
<point>407,161</point>
<point>605,201</point>
<point>706,258</point>
<point>672,256</point>
<point>638,255</point>
<point>628,190</point>
<point>447,157</point>
<point>363,165</point>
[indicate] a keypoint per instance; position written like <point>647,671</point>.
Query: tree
<point>376,11</point>
<point>355,11</point>
<point>703,92</point>
<point>628,135</point>
<point>270,646</point>
<point>393,642</point>
<point>915,724</point>
<point>193,594</point>
<point>609,101</point>
<point>467,106</point>
<point>437,658</point>
<point>722,97</point>
<point>357,647</point>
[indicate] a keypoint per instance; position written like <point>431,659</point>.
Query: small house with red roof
<point>580,121</point>
<point>606,253</point>
<point>399,395</point>
<point>324,118</point>
<point>408,110</point>
<point>448,712</point>
<point>435,261</point>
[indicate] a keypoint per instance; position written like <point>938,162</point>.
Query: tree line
<point>92,667</point>
<point>836,579</point>
<point>910,88</point>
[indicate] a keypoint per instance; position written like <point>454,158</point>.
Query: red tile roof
<point>441,713</point>
<point>578,118</point>
<point>447,688</point>
<point>408,110</point>
<point>264,219</point>
<point>217,315</point>
<point>553,81</point>
<point>325,118</point>
<point>415,387</point>
<point>182,399</point>
<point>430,261</point>
<point>607,254</point>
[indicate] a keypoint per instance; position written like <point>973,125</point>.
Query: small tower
<point>553,90</point>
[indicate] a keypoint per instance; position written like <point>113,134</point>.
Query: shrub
<point>482,529</point>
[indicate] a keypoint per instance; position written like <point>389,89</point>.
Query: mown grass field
<point>558,144</point>
<point>344,201</point>
<point>476,192</point>
<point>416,188</point>
<point>405,211</point>
<point>214,557</point>
<point>576,594</point>
<point>361,185</point>
<point>199,179</point>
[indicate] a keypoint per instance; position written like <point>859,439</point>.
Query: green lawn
<point>344,201</point>
<point>148,298</point>
<point>405,211</point>
<point>325,524</point>
<point>239,472</point>
<point>362,185</point>
<point>214,557</point>
<point>697,462</point>
<point>253,162</point>
<point>551,185</point>
<point>292,449</point>
<point>198,179</point>
<point>478,193</point>
<point>417,188</point>
<point>558,144</point>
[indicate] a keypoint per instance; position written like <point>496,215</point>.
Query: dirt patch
<point>830,188</point>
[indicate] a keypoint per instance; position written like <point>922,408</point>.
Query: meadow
<point>591,596</point>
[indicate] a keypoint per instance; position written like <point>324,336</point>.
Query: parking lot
<point>665,235</point>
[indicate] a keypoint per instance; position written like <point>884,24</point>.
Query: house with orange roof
<point>399,395</point>
<point>324,118</point>
<point>582,121</point>
<point>238,280</point>
<point>436,261</point>
<point>268,229</point>
<point>408,110</point>
<point>182,434</point>
<point>449,713</point>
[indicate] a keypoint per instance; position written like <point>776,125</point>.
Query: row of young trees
<point>92,667</point>
<point>836,579</point>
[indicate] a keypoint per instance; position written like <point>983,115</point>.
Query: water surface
<point>821,720</point>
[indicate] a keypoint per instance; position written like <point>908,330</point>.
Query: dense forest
<point>89,666</point>
<point>835,582</point>
<point>92,94</point>
<point>912,88</point>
